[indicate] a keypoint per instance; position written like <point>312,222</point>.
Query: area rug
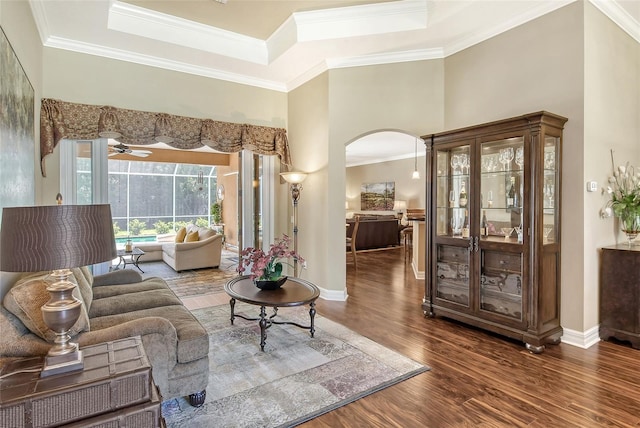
<point>193,282</point>
<point>295,379</point>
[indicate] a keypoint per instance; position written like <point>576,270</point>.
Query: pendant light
<point>416,173</point>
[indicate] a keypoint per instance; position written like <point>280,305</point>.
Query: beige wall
<point>91,79</point>
<point>611,122</point>
<point>18,25</point>
<point>308,132</point>
<point>537,66</point>
<point>398,171</point>
<point>406,97</point>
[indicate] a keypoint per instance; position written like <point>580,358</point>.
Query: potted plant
<point>266,268</point>
<point>624,191</point>
<point>216,212</point>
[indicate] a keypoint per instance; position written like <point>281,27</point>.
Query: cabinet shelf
<point>506,285</point>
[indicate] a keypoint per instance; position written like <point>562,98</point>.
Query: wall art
<point>377,196</point>
<point>17,131</point>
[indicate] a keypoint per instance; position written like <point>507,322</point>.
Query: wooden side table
<point>114,389</point>
<point>620,294</point>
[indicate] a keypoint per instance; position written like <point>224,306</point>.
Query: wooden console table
<point>115,389</point>
<point>620,294</point>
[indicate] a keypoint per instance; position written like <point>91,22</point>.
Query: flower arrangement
<point>268,266</point>
<point>624,191</point>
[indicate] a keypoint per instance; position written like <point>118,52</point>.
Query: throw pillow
<point>182,232</point>
<point>192,236</point>
<point>25,299</point>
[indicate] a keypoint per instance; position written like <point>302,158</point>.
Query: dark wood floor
<point>477,379</point>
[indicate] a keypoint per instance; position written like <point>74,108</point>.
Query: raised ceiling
<point>281,44</point>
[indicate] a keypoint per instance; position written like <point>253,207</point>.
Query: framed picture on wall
<point>17,131</point>
<point>377,196</point>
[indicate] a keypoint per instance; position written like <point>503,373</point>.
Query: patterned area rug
<point>295,379</point>
<point>193,282</point>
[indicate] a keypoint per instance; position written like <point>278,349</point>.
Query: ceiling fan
<point>121,149</point>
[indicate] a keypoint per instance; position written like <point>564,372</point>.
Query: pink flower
<point>268,265</point>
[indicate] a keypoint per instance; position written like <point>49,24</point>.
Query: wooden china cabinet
<point>493,197</point>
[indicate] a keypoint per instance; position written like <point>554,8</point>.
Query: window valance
<point>60,119</point>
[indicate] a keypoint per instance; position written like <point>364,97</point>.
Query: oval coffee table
<point>294,292</point>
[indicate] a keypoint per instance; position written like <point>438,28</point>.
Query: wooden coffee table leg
<point>263,327</point>
<point>312,315</point>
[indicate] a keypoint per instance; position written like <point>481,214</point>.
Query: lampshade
<point>55,237</point>
<point>294,177</point>
<point>399,205</point>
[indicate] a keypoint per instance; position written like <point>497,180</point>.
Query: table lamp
<point>57,238</point>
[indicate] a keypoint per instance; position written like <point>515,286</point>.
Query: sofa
<point>115,305</point>
<point>375,231</point>
<point>204,252</point>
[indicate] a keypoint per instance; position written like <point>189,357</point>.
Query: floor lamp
<point>295,179</point>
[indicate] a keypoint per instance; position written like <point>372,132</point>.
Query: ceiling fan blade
<point>138,154</point>
<point>113,154</point>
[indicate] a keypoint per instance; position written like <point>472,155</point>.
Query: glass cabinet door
<point>453,192</point>
<point>501,283</point>
<point>501,212</point>
<point>549,186</point>
<point>452,274</point>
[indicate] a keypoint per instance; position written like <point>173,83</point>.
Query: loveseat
<point>116,305</point>
<point>375,231</point>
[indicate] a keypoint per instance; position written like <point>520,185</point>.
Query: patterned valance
<point>60,119</point>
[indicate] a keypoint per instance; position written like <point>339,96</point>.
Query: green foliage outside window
<point>136,226</point>
<point>162,227</point>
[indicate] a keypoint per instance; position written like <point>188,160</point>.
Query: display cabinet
<point>493,194</point>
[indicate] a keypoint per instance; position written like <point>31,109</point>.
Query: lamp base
<point>57,364</point>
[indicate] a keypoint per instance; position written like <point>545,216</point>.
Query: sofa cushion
<point>193,340</point>
<point>206,232</point>
<point>133,301</point>
<point>124,288</point>
<point>84,285</point>
<point>27,296</point>
<point>182,233</point>
<point>192,236</point>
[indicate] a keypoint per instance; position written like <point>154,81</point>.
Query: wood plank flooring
<point>477,379</point>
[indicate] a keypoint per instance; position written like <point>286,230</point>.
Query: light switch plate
<point>592,186</point>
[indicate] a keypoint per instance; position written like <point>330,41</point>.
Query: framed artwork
<point>377,196</point>
<point>17,131</point>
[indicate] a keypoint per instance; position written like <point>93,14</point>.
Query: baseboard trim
<point>581,339</point>
<point>336,295</point>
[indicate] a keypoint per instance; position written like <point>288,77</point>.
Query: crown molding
<point>363,20</point>
<point>621,17</point>
<point>386,58</point>
<point>128,56</point>
<point>130,19</point>
<point>40,18</point>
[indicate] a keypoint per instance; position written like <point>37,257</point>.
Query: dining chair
<point>351,241</point>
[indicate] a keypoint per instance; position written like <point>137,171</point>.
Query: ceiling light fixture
<point>416,174</point>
